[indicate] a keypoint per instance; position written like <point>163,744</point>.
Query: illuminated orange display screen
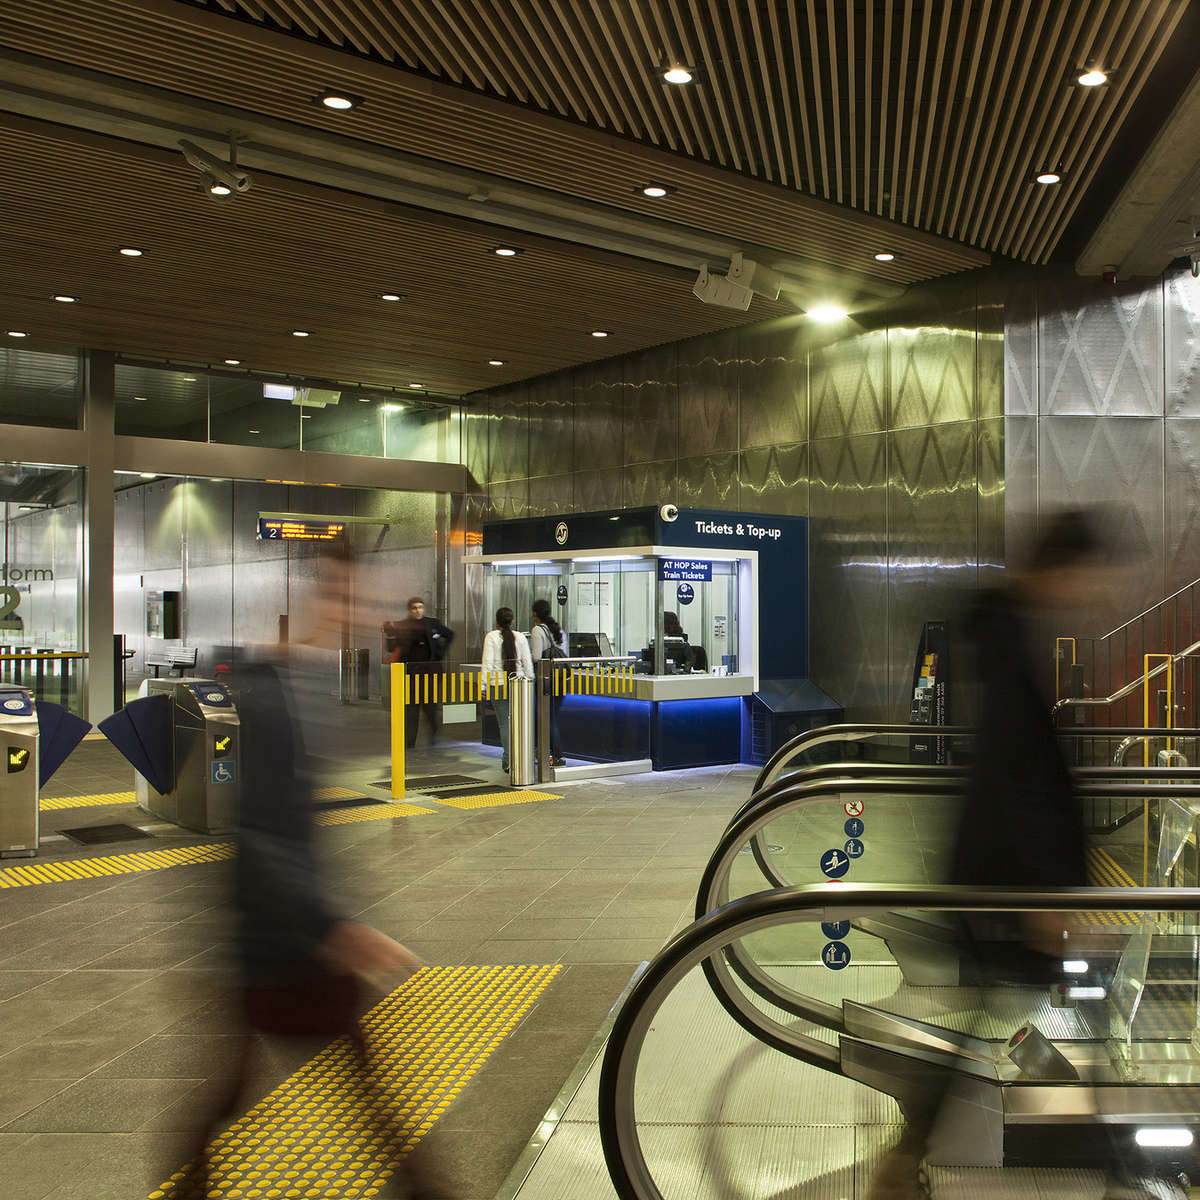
<point>283,530</point>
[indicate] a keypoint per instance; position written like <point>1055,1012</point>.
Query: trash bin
<point>19,781</point>
<point>183,738</point>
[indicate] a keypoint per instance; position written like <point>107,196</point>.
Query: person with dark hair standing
<point>505,652</point>
<point>548,641</point>
<point>420,642</point>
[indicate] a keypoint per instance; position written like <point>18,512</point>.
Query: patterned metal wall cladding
<point>1100,348</point>
<point>260,597</point>
<point>649,483</point>
<point>475,437</point>
<point>991,490</point>
<point>595,490</point>
<point>773,383</point>
<point>598,416</point>
<point>1182,503</point>
<point>509,500</point>
<point>707,481</point>
<point>1019,295</point>
<point>932,355</point>
<point>551,424</point>
<point>708,395</point>
<point>1020,484</point>
<point>933,541</point>
<point>650,405</point>
<point>989,360</point>
<point>848,386</point>
<point>549,495</point>
<point>774,479</point>
<point>508,434</point>
<point>208,509</point>
<point>164,526</point>
<point>1181,298</point>
<point>1116,462</point>
<point>848,573</point>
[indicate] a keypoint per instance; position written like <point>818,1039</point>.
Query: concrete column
<point>98,516</point>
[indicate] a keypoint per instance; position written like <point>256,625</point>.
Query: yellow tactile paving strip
<point>49,803</point>
<point>335,793</point>
<point>70,870</point>
<point>371,812</point>
<point>311,1138</point>
<point>496,799</point>
<point>1105,871</point>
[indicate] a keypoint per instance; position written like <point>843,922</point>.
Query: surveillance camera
<point>669,512</point>
<point>217,170</point>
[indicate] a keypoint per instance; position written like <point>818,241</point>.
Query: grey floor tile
<point>550,928</point>
<point>613,950</point>
<point>97,1105</point>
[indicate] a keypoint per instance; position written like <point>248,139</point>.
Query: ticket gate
<point>183,738</point>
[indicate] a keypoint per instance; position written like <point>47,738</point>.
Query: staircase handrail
<point>1129,688</point>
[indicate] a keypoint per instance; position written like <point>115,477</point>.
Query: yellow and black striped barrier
<point>594,679</point>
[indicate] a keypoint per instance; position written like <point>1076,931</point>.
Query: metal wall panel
<point>848,386</point>
<point>848,565</point>
<point>596,490</point>
<point>598,416</point>
<point>1181,302</point>
<point>708,395</point>
<point>551,425</point>
<point>550,495</point>
<point>1020,483</point>
<point>650,405</point>
<point>990,468</point>
<point>510,500</point>
<point>774,479</point>
<point>707,481</point>
<point>649,483</point>
<point>1018,294</point>
<point>475,438</point>
<point>163,537</point>
<point>508,434</point>
<point>773,384</point>
<point>1100,348</point>
<point>1182,504</point>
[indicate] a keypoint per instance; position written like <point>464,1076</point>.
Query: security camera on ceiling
<point>218,173</point>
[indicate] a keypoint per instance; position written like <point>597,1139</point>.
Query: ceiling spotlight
<point>364,399</point>
<point>826,314</point>
<point>495,362</point>
<point>655,190</point>
<point>1093,78</point>
<point>507,251</point>
<point>416,385</point>
<point>17,333</point>
<point>601,333</point>
<point>253,431</point>
<point>221,178</point>
<point>189,379</point>
<point>885,256</point>
<point>301,333</point>
<point>65,299</point>
<point>338,100</point>
<point>233,362</point>
<point>306,416</point>
<point>677,74</point>
<point>1048,177</point>
<point>147,475</point>
<point>130,251</point>
<point>392,296</point>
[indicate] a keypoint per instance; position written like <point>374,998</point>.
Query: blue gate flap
<point>142,732</point>
<point>61,731</point>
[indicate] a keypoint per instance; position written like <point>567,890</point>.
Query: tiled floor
<point>114,992</point>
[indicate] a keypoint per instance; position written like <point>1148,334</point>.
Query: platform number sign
<point>834,863</point>
<point>836,955</point>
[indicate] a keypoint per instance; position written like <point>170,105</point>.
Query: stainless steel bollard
<point>520,731</point>
<point>345,676</point>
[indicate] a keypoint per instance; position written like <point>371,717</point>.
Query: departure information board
<point>295,529</point>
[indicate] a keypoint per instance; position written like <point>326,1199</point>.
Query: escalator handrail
<point>623,1155</point>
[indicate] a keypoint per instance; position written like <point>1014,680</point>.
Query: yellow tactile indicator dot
<point>371,812</point>
<point>49,803</point>
<point>314,1135</point>
<point>496,799</point>
<point>335,793</point>
<point>112,864</point>
<point>1105,871</point>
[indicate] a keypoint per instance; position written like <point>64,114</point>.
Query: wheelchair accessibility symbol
<point>223,772</point>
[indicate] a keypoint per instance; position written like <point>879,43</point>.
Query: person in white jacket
<point>505,651</point>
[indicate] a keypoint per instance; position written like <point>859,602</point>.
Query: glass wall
<point>39,388</point>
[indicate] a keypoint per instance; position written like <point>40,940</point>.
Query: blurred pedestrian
<point>505,653</point>
<point>548,641</point>
<point>421,643</point>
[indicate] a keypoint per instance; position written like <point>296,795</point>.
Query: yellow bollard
<point>399,692</point>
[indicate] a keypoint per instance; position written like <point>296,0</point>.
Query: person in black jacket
<point>420,642</point>
<point>1021,824</point>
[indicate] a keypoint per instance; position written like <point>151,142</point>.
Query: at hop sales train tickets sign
<point>684,570</point>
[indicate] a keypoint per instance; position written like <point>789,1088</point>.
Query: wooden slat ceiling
<point>936,115</point>
<point>233,279</point>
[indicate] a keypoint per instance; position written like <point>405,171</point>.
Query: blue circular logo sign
<point>836,955</point>
<point>854,827</point>
<point>854,848</point>
<point>835,863</point>
<point>685,593</point>
<point>835,930</point>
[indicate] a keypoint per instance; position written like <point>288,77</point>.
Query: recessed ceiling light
<point>827,313</point>
<point>17,333</point>
<point>416,385</point>
<point>66,299</point>
<point>885,256</point>
<point>219,189</point>
<point>392,296</point>
<point>147,475</point>
<point>338,100</point>
<point>1093,78</point>
<point>233,362</point>
<point>1158,1136</point>
<point>677,74</point>
<point>300,333</point>
<point>141,399</point>
<point>655,190</point>
<point>1049,177</point>
<point>253,431</point>
<point>189,379</point>
<point>306,416</point>
<point>495,362</point>
<point>507,251</point>
<point>130,251</point>
<point>601,333</point>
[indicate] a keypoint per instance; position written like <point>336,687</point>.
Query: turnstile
<point>200,753</point>
<point>19,780</point>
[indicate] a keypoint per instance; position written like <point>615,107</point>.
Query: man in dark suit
<point>420,642</point>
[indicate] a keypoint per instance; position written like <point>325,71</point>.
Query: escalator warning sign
<point>222,745</point>
<point>836,955</point>
<point>18,759</point>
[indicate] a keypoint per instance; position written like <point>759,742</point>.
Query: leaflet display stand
<point>930,699</point>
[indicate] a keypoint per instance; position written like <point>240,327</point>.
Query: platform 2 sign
<point>271,529</point>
